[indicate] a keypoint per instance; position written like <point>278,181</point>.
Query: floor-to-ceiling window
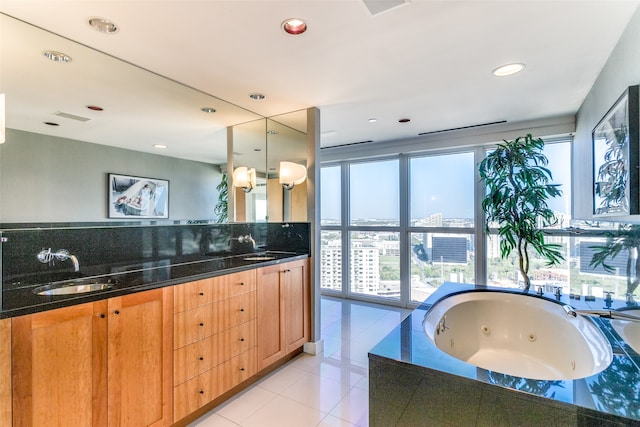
<point>395,228</point>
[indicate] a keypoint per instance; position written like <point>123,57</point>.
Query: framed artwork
<point>138,197</point>
<point>616,150</point>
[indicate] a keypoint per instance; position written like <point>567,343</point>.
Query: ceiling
<point>424,60</point>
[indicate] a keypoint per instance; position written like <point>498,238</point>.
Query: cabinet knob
<point>201,392</point>
<point>201,294</point>
<point>200,324</point>
<point>242,369</point>
<point>200,358</point>
<point>116,312</point>
<point>242,339</point>
<point>242,309</point>
<point>102,315</point>
<point>241,283</point>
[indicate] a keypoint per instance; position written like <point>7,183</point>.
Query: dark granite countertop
<point>614,391</point>
<point>18,297</point>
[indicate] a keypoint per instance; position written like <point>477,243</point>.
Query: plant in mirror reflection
<point>221,209</point>
<point>518,186</point>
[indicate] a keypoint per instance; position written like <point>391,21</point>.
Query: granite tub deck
<point>413,383</point>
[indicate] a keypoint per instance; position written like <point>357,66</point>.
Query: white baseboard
<point>314,347</point>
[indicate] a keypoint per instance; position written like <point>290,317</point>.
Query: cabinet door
<point>59,367</point>
<point>295,293</point>
<point>5,372</point>
<point>140,359</point>
<point>269,307</point>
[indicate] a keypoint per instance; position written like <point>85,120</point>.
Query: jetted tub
<point>628,330</point>
<point>517,334</point>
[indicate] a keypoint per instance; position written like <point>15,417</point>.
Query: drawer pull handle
<point>242,339</point>
<point>242,309</point>
<point>241,283</point>
<point>201,392</point>
<point>102,315</point>
<point>242,369</point>
<point>200,324</point>
<point>200,358</point>
<point>116,312</point>
<point>201,294</point>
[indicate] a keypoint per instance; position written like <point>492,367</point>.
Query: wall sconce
<point>244,178</point>
<point>291,174</point>
<point>2,124</point>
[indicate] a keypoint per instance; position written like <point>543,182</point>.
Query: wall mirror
<point>98,99</point>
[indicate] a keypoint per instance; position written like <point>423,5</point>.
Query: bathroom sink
<point>259,258</point>
<point>73,287</point>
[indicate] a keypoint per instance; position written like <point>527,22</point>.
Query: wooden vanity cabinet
<point>5,372</point>
<point>283,310</point>
<point>105,363</point>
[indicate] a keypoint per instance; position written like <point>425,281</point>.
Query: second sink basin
<point>73,287</point>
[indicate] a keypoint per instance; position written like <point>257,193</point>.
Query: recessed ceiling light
<point>51,123</point>
<point>405,120</point>
<point>208,110</point>
<point>257,96</point>
<point>257,150</point>
<point>508,69</point>
<point>272,132</point>
<point>159,146</point>
<point>57,56</point>
<point>103,25</point>
<point>294,26</point>
<point>95,108</point>
<point>372,120</point>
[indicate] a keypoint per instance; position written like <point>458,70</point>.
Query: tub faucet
<point>46,256</point>
<point>604,314</point>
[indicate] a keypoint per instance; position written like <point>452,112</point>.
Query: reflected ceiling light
<point>373,120</point>
<point>103,25</point>
<point>51,123</point>
<point>294,26</point>
<point>508,70</point>
<point>291,174</point>
<point>95,108</point>
<point>404,120</point>
<point>244,178</point>
<point>2,124</point>
<point>208,110</point>
<point>159,146</point>
<point>257,96</point>
<point>54,56</point>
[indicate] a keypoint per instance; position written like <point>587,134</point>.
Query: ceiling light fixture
<point>103,25</point>
<point>51,123</point>
<point>54,56</point>
<point>294,26</point>
<point>159,146</point>
<point>245,178</point>
<point>257,96</point>
<point>208,110</point>
<point>508,70</point>
<point>405,120</point>
<point>291,174</point>
<point>95,108</point>
<point>373,120</point>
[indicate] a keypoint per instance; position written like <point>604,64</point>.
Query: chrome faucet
<point>442,325</point>
<point>245,239</point>
<point>45,256</point>
<point>604,314</point>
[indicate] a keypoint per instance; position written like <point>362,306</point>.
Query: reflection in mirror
<point>287,143</point>
<point>122,110</point>
<point>249,168</point>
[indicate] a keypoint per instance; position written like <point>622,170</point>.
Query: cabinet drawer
<point>234,311</point>
<point>202,292</point>
<point>237,369</point>
<point>234,284</point>
<point>196,358</point>
<point>192,325</point>
<point>191,295</point>
<point>191,395</point>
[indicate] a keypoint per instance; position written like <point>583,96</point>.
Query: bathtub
<point>517,334</point>
<point>629,331</point>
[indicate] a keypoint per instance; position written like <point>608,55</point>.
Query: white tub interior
<point>518,335</point>
<point>628,330</point>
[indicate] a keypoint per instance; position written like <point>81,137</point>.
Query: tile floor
<point>326,390</point>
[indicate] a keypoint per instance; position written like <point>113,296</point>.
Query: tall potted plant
<point>517,190</point>
<point>221,208</point>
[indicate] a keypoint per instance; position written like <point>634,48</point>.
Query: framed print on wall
<point>138,197</point>
<point>616,149</point>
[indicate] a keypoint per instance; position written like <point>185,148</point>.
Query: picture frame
<point>616,151</point>
<point>137,197</point>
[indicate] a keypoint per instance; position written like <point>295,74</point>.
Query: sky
<point>438,184</point>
